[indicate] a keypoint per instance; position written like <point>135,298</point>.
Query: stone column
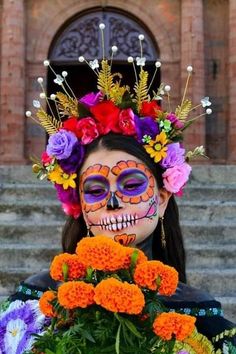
<point>192,53</point>
<point>12,85</point>
<point>231,149</point>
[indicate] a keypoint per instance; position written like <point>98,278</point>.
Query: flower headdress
<point>74,123</point>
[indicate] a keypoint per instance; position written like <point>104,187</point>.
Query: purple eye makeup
<point>95,189</point>
<point>132,182</point>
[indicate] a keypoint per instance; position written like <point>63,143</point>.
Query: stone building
<point>178,32</point>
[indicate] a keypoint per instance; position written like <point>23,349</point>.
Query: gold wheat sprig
<point>49,123</point>
<point>141,89</point>
<point>67,105</point>
<point>105,79</point>
<point>182,111</point>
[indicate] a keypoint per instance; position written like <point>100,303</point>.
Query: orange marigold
<point>75,294</point>
<point>101,253</point>
<point>76,269</point>
<point>116,296</point>
<point>129,251</point>
<point>45,303</point>
<point>155,275</point>
<point>168,324</point>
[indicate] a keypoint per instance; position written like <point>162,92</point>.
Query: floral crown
<point>74,123</point>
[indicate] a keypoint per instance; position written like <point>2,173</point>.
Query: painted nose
<point>113,202</point>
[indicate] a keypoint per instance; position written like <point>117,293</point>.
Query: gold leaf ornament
<point>183,110</point>
<point>67,105</point>
<point>141,89</point>
<point>105,79</point>
<point>49,123</point>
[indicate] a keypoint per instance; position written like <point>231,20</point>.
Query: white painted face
<point>119,196</point>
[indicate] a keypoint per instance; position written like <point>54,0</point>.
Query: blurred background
<point>201,33</point>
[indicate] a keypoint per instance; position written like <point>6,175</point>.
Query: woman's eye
<point>132,186</point>
<point>95,192</point>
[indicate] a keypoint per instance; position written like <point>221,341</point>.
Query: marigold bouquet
<point>107,303</point>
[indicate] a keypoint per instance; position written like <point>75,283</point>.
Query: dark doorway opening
<point>82,80</point>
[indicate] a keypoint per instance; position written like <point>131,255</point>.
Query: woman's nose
<point>113,203</point>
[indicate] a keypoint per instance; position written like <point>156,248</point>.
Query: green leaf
<point>48,351</point>
<point>134,258</point>
<point>117,346</point>
<point>132,328</point>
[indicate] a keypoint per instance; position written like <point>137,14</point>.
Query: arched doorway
<point>81,37</point>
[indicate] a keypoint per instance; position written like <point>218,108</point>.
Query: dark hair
<point>173,254</point>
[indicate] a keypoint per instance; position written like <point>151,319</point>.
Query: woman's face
<point>119,196</point>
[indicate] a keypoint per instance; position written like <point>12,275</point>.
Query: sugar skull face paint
<point>123,202</point>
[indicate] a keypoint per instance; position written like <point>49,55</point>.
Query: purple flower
<point>72,163</point>
<point>67,196</point>
<point>61,144</point>
<point>91,99</point>
<point>175,156</point>
<point>146,126</point>
<point>18,324</point>
<point>175,121</point>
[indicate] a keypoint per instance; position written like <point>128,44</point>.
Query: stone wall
<point>186,32</point>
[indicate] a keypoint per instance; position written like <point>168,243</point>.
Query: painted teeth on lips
<point>117,223</point>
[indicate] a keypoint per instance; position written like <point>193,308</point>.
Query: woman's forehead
<point>108,158</point>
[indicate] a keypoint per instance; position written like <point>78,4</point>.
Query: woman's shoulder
<point>34,286</point>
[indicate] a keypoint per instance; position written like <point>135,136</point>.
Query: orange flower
<point>116,296</point>
<point>155,275</point>
<point>129,251</point>
<point>76,269</point>
<point>45,303</point>
<point>168,324</point>
<point>101,253</point>
<point>75,294</point>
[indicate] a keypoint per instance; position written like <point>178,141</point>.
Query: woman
<point>128,172</point>
<point>117,163</point>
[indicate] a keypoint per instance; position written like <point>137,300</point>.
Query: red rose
<point>45,158</point>
<point>107,115</point>
<point>71,125</point>
<point>149,109</point>
<point>126,122</point>
<point>87,130</point>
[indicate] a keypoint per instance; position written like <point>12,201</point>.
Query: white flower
<point>15,331</point>
<point>205,102</point>
<point>130,59</point>
<point>208,111</point>
<point>59,79</point>
<point>36,104</point>
<point>28,113</point>
<point>140,61</point>
<point>94,64</point>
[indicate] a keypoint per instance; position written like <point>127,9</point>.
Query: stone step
<point>201,174</point>
<point>213,174</point>
<point>211,256</point>
<point>11,192</point>
<point>23,256</point>
<point>208,192</point>
<point>207,211</point>
<point>214,281</point>
<point>229,307</point>
<point>11,278</point>
<point>36,211</point>
<point>41,233</point>
<point>204,233</point>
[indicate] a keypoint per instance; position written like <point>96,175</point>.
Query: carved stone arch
<point>51,25</point>
<point>82,37</point>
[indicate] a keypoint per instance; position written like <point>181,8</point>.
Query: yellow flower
<point>60,177</point>
<point>156,148</point>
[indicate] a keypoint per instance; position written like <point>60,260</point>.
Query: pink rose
<point>72,209</point>
<point>174,178</point>
<point>45,158</point>
<point>126,122</point>
<point>87,130</point>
